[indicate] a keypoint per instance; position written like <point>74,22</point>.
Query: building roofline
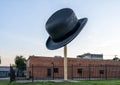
<point>33,56</point>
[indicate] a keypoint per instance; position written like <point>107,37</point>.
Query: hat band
<point>68,34</point>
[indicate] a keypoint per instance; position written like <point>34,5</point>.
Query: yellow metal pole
<point>65,62</point>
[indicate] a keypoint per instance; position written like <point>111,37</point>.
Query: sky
<point>23,32</point>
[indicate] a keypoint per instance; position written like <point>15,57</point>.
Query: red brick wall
<point>71,61</point>
<point>73,65</point>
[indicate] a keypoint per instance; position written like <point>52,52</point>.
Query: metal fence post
<point>12,74</point>
<point>72,72</point>
<point>89,72</point>
<point>32,74</point>
<point>53,69</point>
<point>106,71</point>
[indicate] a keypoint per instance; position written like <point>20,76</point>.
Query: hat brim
<point>51,45</point>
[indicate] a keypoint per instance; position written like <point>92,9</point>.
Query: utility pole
<point>115,56</point>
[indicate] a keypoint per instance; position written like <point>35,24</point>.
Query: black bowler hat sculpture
<point>62,27</point>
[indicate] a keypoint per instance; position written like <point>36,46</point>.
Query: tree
<point>116,58</point>
<point>20,62</point>
<point>14,65</point>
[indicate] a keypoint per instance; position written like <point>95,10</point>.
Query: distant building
<point>91,56</point>
<point>5,71</point>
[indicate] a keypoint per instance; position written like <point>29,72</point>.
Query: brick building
<point>41,67</point>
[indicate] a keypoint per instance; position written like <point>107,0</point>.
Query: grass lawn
<point>96,82</point>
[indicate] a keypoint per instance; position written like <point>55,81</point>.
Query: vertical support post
<point>53,69</point>
<point>106,71</point>
<point>10,74</point>
<point>0,59</point>
<point>89,72</point>
<point>72,72</point>
<point>65,62</point>
<point>32,74</point>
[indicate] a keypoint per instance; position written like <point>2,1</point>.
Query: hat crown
<point>61,23</point>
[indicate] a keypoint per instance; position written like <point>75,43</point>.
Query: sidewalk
<point>60,80</point>
<point>5,78</point>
